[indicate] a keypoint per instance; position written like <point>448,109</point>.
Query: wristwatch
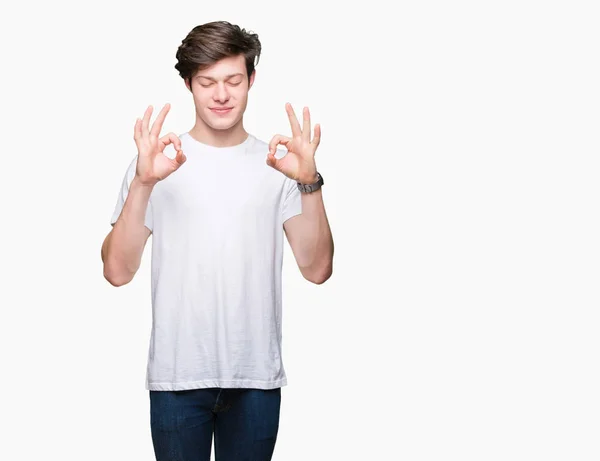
<point>312,187</point>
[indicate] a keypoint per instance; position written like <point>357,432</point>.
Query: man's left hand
<point>299,162</point>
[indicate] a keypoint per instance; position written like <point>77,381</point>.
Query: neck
<point>219,138</point>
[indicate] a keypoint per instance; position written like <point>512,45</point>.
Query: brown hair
<point>208,43</point>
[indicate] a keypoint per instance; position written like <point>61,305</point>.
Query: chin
<point>221,124</point>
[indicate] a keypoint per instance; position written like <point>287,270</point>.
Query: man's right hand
<point>152,164</point>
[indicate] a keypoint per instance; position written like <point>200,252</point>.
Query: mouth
<point>221,110</point>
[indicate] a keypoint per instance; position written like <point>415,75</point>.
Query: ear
<point>187,84</point>
<point>252,75</point>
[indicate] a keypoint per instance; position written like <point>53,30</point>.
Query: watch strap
<point>312,187</point>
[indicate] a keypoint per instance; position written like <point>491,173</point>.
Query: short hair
<point>208,43</point>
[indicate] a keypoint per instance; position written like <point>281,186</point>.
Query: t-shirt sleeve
<point>129,175</point>
<point>292,202</point>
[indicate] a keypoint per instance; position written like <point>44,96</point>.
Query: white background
<point>460,152</point>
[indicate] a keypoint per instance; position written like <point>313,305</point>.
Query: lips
<point>221,110</point>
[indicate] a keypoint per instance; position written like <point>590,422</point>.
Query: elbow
<point>116,279</point>
<point>320,277</point>
<point>322,280</point>
<point>319,281</point>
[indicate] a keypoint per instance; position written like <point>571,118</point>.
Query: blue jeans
<point>244,421</point>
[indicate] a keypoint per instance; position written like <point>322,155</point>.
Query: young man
<point>218,211</point>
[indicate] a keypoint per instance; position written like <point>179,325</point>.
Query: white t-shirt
<point>217,256</point>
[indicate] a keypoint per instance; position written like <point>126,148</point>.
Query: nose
<point>221,95</point>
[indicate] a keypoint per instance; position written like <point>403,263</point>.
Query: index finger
<point>157,125</point>
<point>296,131</point>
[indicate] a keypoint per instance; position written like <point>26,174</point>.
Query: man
<point>218,211</point>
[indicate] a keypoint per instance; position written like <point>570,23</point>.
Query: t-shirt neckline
<point>237,149</point>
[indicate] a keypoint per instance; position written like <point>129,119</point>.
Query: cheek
<point>202,100</point>
<point>201,97</point>
<point>240,95</point>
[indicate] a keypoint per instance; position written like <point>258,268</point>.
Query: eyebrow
<point>226,77</point>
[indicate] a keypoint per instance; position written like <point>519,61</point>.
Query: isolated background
<point>460,152</point>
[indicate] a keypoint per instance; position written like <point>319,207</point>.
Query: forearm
<point>122,250</point>
<point>316,255</point>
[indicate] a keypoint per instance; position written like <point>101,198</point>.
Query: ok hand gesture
<point>152,164</point>
<point>299,162</point>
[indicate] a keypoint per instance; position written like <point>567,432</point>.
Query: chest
<point>221,195</point>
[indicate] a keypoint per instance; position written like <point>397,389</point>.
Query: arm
<point>123,247</point>
<point>309,236</point>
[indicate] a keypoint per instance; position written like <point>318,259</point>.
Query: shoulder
<point>257,144</point>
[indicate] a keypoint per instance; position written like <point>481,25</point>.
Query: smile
<point>222,111</point>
